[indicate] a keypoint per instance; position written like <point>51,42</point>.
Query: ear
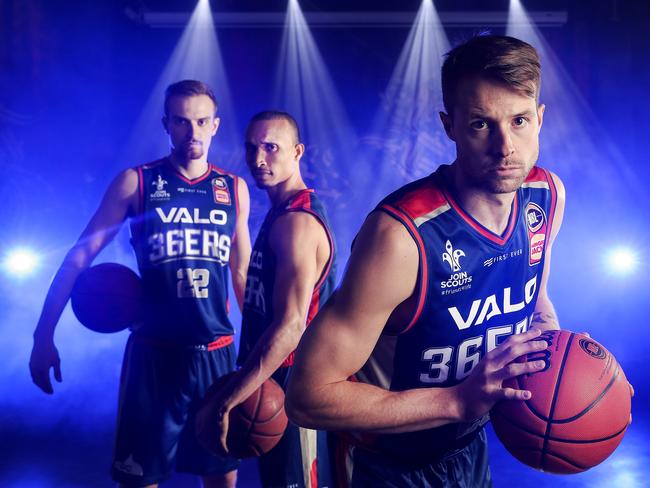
<point>540,115</point>
<point>165,121</point>
<point>299,151</point>
<point>447,123</point>
<point>215,125</point>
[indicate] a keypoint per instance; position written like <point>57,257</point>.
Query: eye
<point>520,121</point>
<point>478,125</point>
<point>270,147</point>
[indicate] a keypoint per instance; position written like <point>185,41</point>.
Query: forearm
<point>348,405</point>
<point>59,293</point>
<point>267,356</point>
<point>544,317</point>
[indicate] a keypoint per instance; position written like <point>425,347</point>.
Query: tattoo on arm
<point>545,320</point>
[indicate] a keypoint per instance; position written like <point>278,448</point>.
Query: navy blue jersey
<point>258,300</point>
<point>474,289</point>
<point>182,237</point>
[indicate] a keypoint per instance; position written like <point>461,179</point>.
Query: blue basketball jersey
<point>182,237</point>
<point>474,289</point>
<point>258,301</point>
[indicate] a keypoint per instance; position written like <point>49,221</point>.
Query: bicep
<point>242,243</point>
<point>118,201</point>
<point>382,273</point>
<point>295,239</point>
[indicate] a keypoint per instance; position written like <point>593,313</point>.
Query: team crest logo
<point>458,280</point>
<point>452,257</point>
<point>160,193</point>
<point>592,348</point>
<point>220,191</point>
<point>536,223</point>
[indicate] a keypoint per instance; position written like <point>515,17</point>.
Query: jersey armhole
<point>551,214</point>
<point>330,240</point>
<point>421,285</point>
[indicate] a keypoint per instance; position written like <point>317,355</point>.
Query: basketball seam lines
<point>593,404</point>
<point>549,425</point>
<point>555,439</point>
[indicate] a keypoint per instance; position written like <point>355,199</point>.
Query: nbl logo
<point>535,217</point>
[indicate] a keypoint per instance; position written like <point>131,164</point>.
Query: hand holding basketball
<point>485,384</point>
<point>251,428</point>
<point>578,412</point>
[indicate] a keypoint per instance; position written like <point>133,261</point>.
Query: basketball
<point>107,297</point>
<point>578,412</point>
<point>257,424</point>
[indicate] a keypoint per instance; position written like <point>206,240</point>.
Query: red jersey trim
<point>423,271</point>
<point>196,180</point>
<point>500,240</point>
<point>551,217</point>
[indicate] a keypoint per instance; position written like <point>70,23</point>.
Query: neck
<point>491,210</point>
<point>282,192</point>
<point>189,168</point>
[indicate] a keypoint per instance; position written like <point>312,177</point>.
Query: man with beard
<point>189,224</point>
<point>445,289</point>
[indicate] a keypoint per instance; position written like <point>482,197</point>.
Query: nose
<point>501,142</point>
<point>260,158</point>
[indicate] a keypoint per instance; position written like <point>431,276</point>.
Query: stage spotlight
<point>622,260</point>
<point>21,262</point>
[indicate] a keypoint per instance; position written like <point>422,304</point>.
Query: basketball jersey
<point>182,237</point>
<point>474,289</point>
<point>258,310</point>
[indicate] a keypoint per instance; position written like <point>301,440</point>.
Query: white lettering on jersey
<point>182,215</point>
<point>192,243</point>
<point>489,307</point>
<point>457,363</point>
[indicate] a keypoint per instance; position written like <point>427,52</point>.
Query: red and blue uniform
<point>300,459</point>
<point>474,289</point>
<point>182,234</point>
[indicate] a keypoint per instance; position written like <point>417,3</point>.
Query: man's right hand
<point>44,356</point>
<point>484,386</point>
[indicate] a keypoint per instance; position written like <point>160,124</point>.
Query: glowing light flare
<point>197,55</point>
<point>622,260</point>
<point>21,262</point>
<point>407,136</point>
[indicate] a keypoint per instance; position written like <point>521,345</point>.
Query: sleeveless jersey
<point>182,237</point>
<point>474,289</point>
<point>258,299</point>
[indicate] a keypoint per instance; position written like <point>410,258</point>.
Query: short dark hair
<point>275,115</point>
<point>188,88</point>
<point>503,59</point>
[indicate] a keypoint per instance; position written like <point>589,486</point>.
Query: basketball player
<point>189,223</point>
<point>446,287</point>
<point>291,273</point>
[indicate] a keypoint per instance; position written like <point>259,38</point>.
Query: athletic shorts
<point>464,468</point>
<point>160,390</point>
<point>300,459</point>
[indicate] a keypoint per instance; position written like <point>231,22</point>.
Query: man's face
<point>272,152</point>
<point>496,131</point>
<point>191,124</point>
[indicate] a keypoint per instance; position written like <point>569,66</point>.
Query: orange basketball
<point>578,412</point>
<point>257,424</point>
<point>107,297</point>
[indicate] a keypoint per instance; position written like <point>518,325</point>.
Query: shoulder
<point>295,227</point>
<point>421,199</point>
